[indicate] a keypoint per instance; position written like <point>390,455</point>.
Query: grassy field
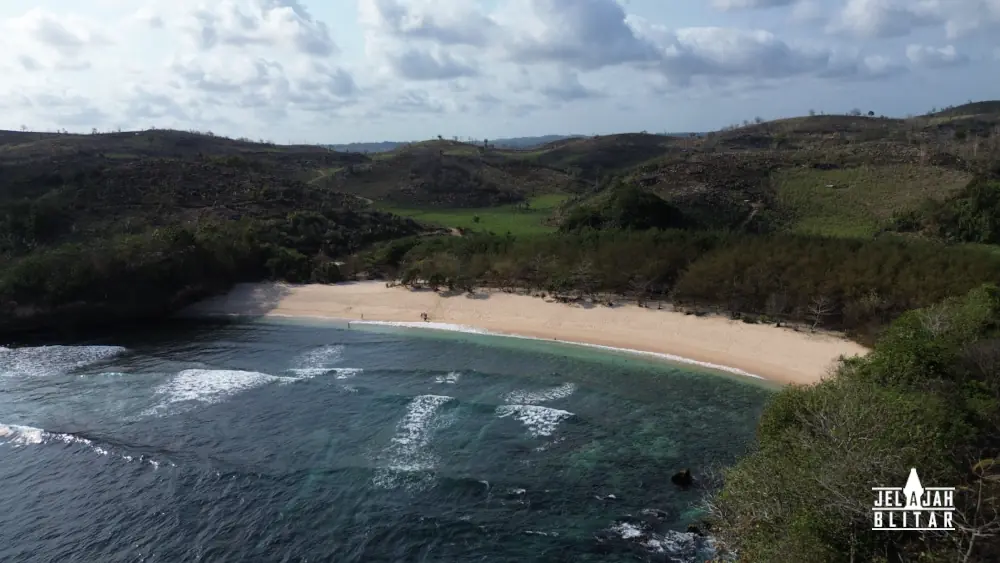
<point>858,202</point>
<point>500,220</point>
<point>324,173</point>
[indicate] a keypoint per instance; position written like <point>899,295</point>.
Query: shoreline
<point>778,355</point>
<point>632,351</point>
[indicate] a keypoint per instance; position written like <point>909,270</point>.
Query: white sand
<point>777,354</point>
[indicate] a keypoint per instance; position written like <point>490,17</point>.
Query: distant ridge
<point>507,143</point>
<point>510,143</point>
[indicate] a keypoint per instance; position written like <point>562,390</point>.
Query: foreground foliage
<point>928,397</point>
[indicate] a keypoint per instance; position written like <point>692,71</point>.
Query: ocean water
<point>290,442</point>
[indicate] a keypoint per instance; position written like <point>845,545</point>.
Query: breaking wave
<point>540,421</point>
<point>19,436</point>
<point>678,546</point>
<point>407,452</point>
<point>209,386</point>
<point>47,361</point>
<point>451,377</point>
<point>322,361</point>
<point>535,397</point>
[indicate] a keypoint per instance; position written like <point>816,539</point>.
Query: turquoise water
<point>304,441</point>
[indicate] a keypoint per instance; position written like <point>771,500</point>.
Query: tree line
<point>856,286</point>
<point>153,272</point>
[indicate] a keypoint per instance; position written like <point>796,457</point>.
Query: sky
<point>337,71</point>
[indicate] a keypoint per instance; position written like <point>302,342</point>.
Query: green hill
<point>100,228</point>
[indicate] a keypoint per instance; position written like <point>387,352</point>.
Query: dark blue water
<point>271,441</point>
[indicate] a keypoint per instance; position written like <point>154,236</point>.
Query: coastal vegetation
<point>926,397</point>
<point>857,286</point>
<point>530,217</point>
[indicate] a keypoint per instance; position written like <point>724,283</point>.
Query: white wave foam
<point>19,436</point>
<point>407,452</point>
<point>318,361</point>
<point>42,361</point>
<point>213,385</point>
<point>686,546</point>
<point>322,357</point>
<point>541,421</point>
<point>660,356</point>
<point>430,325</point>
<point>347,373</point>
<point>309,372</point>
<point>451,378</point>
<point>626,531</point>
<point>413,433</point>
<point>339,373</point>
<point>321,361</point>
<point>535,397</point>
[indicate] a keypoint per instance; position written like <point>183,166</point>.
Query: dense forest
<point>88,239</point>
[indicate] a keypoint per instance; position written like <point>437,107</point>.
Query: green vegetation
<point>970,216</point>
<point>928,396</point>
<point>625,206</point>
<point>528,218</point>
<point>859,202</point>
<point>93,240</point>
<point>851,285</point>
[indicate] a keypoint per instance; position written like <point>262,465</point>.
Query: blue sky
<point>368,70</point>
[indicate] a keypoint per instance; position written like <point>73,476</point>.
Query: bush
<point>326,272</point>
<point>804,493</point>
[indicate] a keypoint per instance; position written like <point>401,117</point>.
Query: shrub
<point>804,493</point>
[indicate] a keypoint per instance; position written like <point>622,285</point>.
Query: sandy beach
<point>777,354</point>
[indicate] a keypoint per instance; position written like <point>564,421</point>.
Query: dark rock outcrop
<point>683,479</point>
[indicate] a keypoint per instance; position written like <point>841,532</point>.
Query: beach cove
<point>779,355</point>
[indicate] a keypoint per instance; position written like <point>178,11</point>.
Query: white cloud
<point>894,18</point>
<point>935,57</point>
<point>241,23</point>
<point>258,66</point>
<point>39,40</point>
<point>566,87</point>
<point>582,34</point>
<point>449,22</point>
<point>808,12</point>
<point>750,4</point>
<point>434,64</point>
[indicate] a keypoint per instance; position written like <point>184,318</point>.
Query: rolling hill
<point>186,213</point>
<point>842,175</point>
<point>101,228</point>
